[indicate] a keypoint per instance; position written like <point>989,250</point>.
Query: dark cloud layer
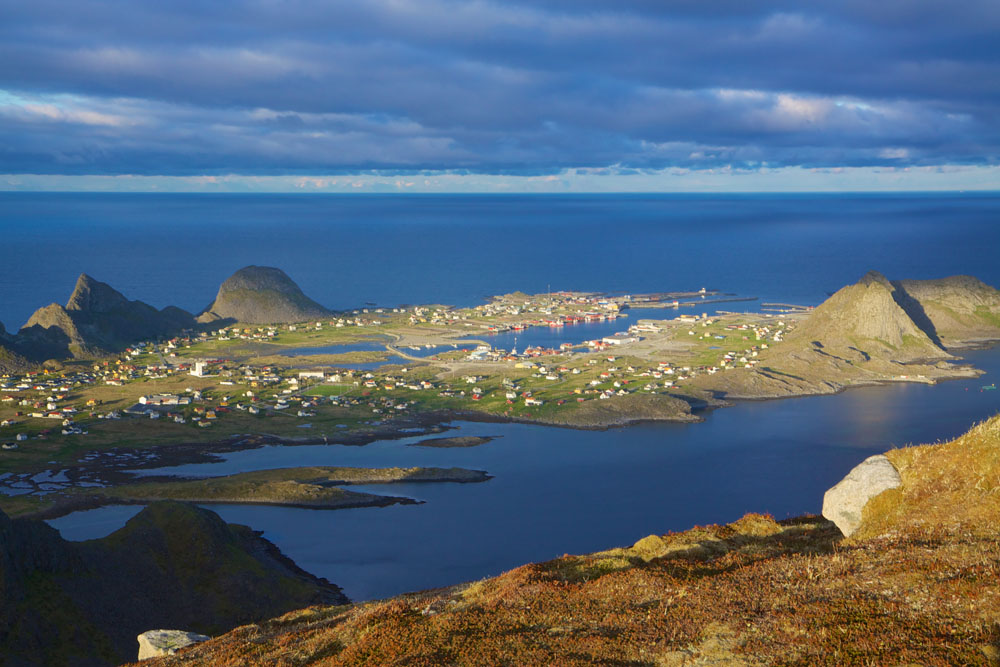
<point>296,86</point>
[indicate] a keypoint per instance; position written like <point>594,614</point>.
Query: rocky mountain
<point>96,320</point>
<point>10,360</point>
<point>871,332</point>
<point>916,585</point>
<point>869,318</point>
<point>172,565</point>
<point>958,310</point>
<point>262,295</point>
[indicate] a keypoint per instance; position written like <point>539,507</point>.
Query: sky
<point>466,96</point>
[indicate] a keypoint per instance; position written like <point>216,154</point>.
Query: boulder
<point>844,503</point>
<point>157,643</point>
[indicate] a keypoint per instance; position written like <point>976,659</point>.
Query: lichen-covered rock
<point>156,643</point>
<point>844,503</point>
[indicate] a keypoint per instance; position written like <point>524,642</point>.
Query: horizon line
<point>612,180</point>
<point>510,193</point>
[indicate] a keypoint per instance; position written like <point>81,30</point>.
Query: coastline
<point>114,467</point>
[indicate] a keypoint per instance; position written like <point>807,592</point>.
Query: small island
<point>458,441</point>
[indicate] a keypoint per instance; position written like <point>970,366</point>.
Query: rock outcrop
<point>844,503</point>
<point>172,565</point>
<point>262,295</point>
<point>158,643</point>
<point>96,320</point>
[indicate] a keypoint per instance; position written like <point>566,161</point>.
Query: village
<point>213,385</point>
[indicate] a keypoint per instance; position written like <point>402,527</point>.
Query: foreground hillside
<point>83,603</point>
<point>919,583</point>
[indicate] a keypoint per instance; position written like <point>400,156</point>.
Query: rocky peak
<point>96,320</point>
<point>875,278</point>
<point>94,296</point>
<point>260,278</point>
<point>874,316</point>
<point>262,295</point>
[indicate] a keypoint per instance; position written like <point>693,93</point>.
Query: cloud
<point>301,86</point>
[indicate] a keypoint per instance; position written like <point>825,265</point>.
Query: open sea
<point>345,250</point>
<point>554,490</point>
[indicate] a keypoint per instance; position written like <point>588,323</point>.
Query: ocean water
<point>555,490</point>
<point>347,250</point>
<point>559,491</point>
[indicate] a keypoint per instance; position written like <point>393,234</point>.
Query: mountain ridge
<point>96,320</point>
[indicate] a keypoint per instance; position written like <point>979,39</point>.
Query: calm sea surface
<point>554,491</point>
<point>348,250</point>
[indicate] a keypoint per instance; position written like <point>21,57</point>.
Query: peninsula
<point>310,488</point>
